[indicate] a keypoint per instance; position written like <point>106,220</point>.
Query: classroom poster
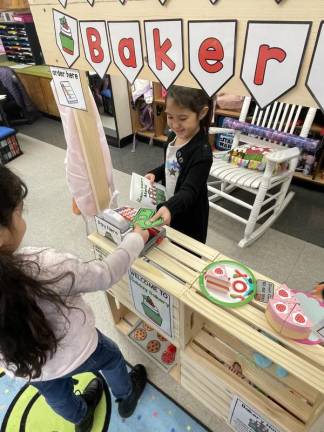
<point>68,87</point>
<point>151,301</point>
<point>243,418</point>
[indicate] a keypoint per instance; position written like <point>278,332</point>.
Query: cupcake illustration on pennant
<point>151,310</point>
<point>67,38</point>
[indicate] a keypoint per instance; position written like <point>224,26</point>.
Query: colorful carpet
<point>22,409</point>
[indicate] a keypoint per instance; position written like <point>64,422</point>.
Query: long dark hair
<point>195,100</point>
<point>26,337</point>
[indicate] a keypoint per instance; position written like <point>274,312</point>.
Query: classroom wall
<point>242,10</point>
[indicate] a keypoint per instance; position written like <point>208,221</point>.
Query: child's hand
<point>150,177</point>
<point>143,233</point>
<point>164,213</point>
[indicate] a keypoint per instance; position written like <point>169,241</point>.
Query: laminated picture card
<point>147,194</point>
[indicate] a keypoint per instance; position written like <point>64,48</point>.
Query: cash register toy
<point>113,225</point>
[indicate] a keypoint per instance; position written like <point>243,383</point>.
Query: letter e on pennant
<point>211,46</point>
<point>95,44</point>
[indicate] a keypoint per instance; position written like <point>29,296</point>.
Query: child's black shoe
<point>92,395</point>
<point>138,376</point>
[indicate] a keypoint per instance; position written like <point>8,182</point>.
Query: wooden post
<point>90,143</point>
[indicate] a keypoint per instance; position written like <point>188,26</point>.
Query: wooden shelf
<point>227,113</point>
<point>309,178</point>
<point>159,100</point>
<point>163,138</point>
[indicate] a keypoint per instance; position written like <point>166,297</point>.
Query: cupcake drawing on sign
<point>151,310</point>
<point>66,38</point>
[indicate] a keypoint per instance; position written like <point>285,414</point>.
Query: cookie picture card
<point>153,344</point>
<point>67,36</point>
<point>227,283</point>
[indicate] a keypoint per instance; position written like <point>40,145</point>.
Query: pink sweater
<point>80,339</point>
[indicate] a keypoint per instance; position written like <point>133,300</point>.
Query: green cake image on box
<point>151,310</point>
<point>66,38</point>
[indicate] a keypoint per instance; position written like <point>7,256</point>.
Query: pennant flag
<point>315,82</point>
<point>63,2</point>
<point>91,2</point>
<point>164,47</point>
<point>125,39</point>
<point>95,44</point>
<point>211,47</point>
<point>67,36</point>
<point>272,57</point>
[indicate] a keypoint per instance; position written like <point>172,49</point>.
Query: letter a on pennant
<point>67,36</point>
<point>272,57</point>
<point>164,47</point>
<point>211,53</point>
<point>125,38</point>
<point>315,81</point>
<point>95,44</point>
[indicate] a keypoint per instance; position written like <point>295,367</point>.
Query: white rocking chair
<point>279,117</point>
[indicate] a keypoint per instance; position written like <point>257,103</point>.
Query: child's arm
<point>96,275</point>
<point>186,196</point>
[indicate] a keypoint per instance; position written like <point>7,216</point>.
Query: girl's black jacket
<point>189,205</point>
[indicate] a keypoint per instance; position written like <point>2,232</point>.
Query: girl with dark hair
<point>47,332</point>
<point>188,158</point>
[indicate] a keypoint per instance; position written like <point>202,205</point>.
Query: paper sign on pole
<point>211,53</point>
<point>164,47</point>
<point>67,36</point>
<point>151,301</point>
<point>315,81</point>
<point>68,87</point>
<point>95,44</point>
<point>272,58</point>
<point>126,45</point>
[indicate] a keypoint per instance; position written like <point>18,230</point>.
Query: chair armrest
<point>218,130</point>
<point>283,155</point>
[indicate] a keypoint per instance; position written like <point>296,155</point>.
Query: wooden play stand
<point>209,339</point>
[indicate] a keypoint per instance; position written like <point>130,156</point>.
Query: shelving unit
<point>159,124</point>
<point>21,42</point>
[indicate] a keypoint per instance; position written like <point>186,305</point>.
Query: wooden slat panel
<point>279,391</point>
<point>291,381</point>
<point>210,368</point>
<point>255,340</point>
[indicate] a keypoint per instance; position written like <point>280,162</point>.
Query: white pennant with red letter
<point>125,39</point>
<point>211,46</point>
<point>315,81</point>
<point>95,44</point>
<point>164,47</point>
<point>272,58</point>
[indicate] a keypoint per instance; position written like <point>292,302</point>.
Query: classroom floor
<point>50,222</point>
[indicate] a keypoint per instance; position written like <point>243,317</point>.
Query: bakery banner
<point>271,60</point>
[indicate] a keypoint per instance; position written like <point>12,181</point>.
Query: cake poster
<point>151,301</point>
